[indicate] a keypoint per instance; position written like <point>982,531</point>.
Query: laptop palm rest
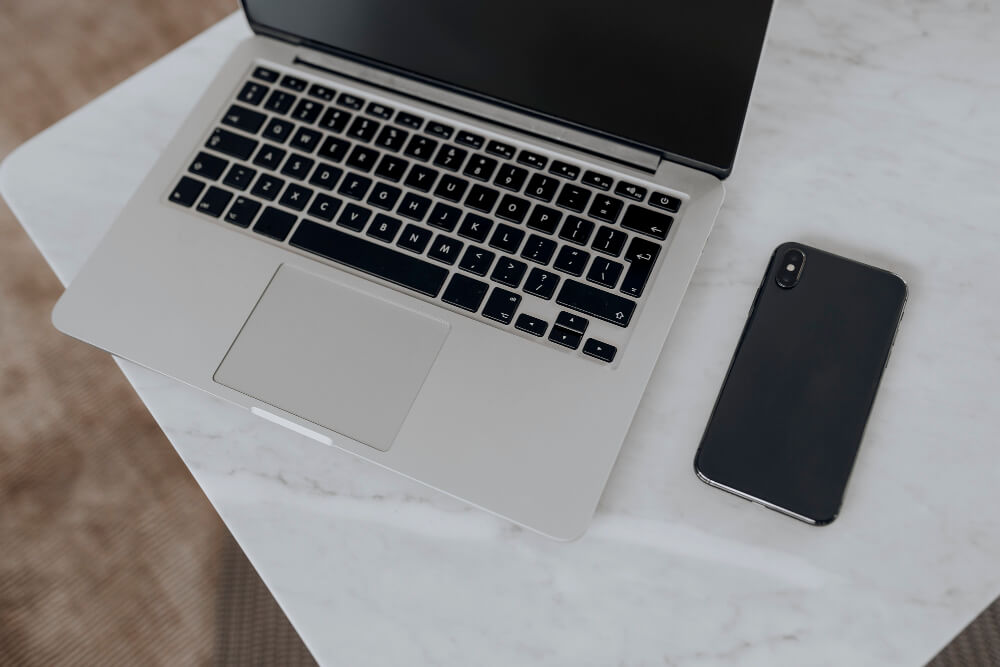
<point>336,356</point>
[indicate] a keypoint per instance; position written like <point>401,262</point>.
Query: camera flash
<point>790,267</point>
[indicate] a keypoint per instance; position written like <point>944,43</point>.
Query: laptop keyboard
<point>488,228</point>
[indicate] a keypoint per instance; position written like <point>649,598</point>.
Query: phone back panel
<point>789,419</point>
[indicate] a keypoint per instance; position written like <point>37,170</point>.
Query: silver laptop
<point>447,237</point>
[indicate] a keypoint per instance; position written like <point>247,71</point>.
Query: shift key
<point>597,302</point>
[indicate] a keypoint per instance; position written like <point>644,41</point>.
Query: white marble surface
<point>874,131</point>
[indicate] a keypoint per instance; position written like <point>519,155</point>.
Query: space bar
<point>369,257</point>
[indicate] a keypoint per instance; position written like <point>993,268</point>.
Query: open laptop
<point>448,237</point>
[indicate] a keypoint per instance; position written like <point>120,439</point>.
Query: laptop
<point>447,237</point>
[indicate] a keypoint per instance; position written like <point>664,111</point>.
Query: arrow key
<point>599,350</point>
<point>565,337</point>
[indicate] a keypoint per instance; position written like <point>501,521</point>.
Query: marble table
<point>875,132</point>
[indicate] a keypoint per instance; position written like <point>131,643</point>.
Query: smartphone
<point>788,422</point>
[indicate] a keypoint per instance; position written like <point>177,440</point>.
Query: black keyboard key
<point>333,149</point>
<point>322,92</point>
<point>372,258</point>
<point>414,238</point>
<point>605,272</point>
<point>476,260</point>
<point>297,166</point>
<point>475,227</point>
<point>480,167</point>
<point>542,187</point>
<point>208,166</point>
<point>214,201</point>
<point>444,217</point>
<point>599,350</point>
<point>572,322</point>
<point>252,93</point>
<point>513,208</point>
<point>565,337</point>
<point>573,197</point>
<point>384,196</point>
<point>509,271</point>
<point>565,170</point>
<point>645,221</point>
<point>571,260</point>
<point>505,151</point>
<point>577,230</point>
<point>306,140</point>
<point>641,255</point>
<point>541,283</point>
<point>414,206</point>
<point>630,190</point>
<point>391,168</point>
<point>239,177</point>
<point>334,119</point>
<point>324,207</point>
<point>265,74</point>
<point>532,159</point>
<point>354,186</point>
<point>507,238</point>
<point>379,110</point>
<point>269,156</point>
<point>532,325</point>
<point>450,157</point>
<point>363,128</point>
<point>307,111</point>
<point>539,249</point>
<point>544,219</point>
<point>609,241</point>
<point>384,227</point>
<point>296,196</point>
<point>606,208</point>
<point>445,249</point>
<point>409,120</point>
<point>597,302</point>
<point>482,198</point>
<point>267,187</point>
<point>451,188</point>
<point>349,101</point>
<point>664,201</point>
<point>232,144</point>
<point>278,130</point>
<point>279,101</point>
<point>421,178</point>
<point>391,138</point>
<point>599,181</point>
<point>469,139</point>
<point>354,217</point>
<point>420,147</point>
<point>510,177</point>
<point>362,158</point>
<point>502,305</point>
<point>275,223</point>
<point>244,119</point>
<point>242,212</point>
<point>465,292</point>
<point>293,83</point>
<point>326,176</point>
<point>439,129</point>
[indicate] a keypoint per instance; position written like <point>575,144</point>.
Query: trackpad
<point>333,355</point>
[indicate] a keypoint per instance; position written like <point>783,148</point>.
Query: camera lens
<point>791,268</point>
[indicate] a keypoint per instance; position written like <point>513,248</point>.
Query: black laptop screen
<point>671,75</point>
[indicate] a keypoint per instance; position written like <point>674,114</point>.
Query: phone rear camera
<point>791,268</point>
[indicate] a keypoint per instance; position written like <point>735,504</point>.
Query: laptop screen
<point>673,76</point>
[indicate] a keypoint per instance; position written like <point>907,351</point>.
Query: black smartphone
<point>788,421</point>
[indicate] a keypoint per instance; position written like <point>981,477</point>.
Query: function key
<point>469,139</point>
<point>597,180</point>
<point>409,120</point>
<point>187,191</point>
<point>380,110</point>
<point>265,74</point>
<point>630,190</point>
<point>664,201</point>
<point>293,82</point>
<point>439,129</point>
<point>532,159</point>
<point>565,170</point>
<point>599,350</point>
<point>322,92</point>
<point>499,149</point>
<point>349,101</point>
